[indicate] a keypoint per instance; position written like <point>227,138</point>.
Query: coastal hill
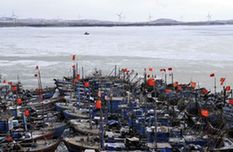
<point>12,22</point>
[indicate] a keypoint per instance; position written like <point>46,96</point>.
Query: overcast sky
<point>132,10</point>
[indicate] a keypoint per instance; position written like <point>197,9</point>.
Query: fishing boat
<point>86,33</point>
<point>76,114</point>
<point>57,127</point>
<point>84,127</point>
<point>62,106</point>
<point>36,134</point>
<point>35,146</point>
<point>82,143</point>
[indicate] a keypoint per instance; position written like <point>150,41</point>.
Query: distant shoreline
<point>11,22</point>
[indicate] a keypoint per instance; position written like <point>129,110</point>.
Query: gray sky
<point>132,10</point>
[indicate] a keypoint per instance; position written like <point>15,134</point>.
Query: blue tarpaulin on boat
<point>112,122</point>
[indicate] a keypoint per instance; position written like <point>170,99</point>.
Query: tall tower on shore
<point>13,17</point>
<point>209,17</point>
<point>119,15</point>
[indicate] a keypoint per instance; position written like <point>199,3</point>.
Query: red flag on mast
<point>151,69</point>
<point>162,70</point>
<point>228,88</point>
<point>169,69</point>
<point>230,101</point>
<point>222,80</point>
<point>212,75</point>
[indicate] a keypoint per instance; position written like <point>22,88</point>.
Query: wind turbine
<point>119,15</point>
<point>209,17</point>
<point>149,17</point>
<point>13,17</point>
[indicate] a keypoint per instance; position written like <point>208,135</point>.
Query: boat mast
<point>40,88</point>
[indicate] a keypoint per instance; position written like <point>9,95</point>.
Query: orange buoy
<point>19,101</point>
<point>151,82</point>
<point>27,113</point>
<point>98,104</point>
<point>204,113</point>
<point>204,91</point>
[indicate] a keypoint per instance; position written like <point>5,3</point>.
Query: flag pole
<point>165,77</point>
<point>224,95</point>
<point>172,77</point>
<point>215,85</point>
<point>145,75</point>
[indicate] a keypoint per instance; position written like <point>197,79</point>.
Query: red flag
<point>98,104</point>
<point>14,88</point>
<point>10,83</point>
<point>19,101</point>
<point>228,88</point>
<point>151,69</point>
<point>222,80</point>
<point>86,84</point>
<point>162,70</point>
<point>125,70</point>
<point>73,57</point>
<point>169,69</point>
<point>27,113</point>
<point>212,75</point>
<point>230,101</point>
<point>151,82</point>
<point>204,113</point>
<point>78,77</point>
<point>204,91</point>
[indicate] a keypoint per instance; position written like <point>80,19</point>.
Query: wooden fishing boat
<point>81,143</point>
<point>6,122</point>
<point>61,106</point>
<point>76,114</point>
<point>84,127</point>
<point>37,134</point>
<point>57,127</point>
<point>36,146</point>
<point>45,104</point>
<point>226,146</point>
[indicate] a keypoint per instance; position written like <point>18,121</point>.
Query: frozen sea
<point>193,51</point>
